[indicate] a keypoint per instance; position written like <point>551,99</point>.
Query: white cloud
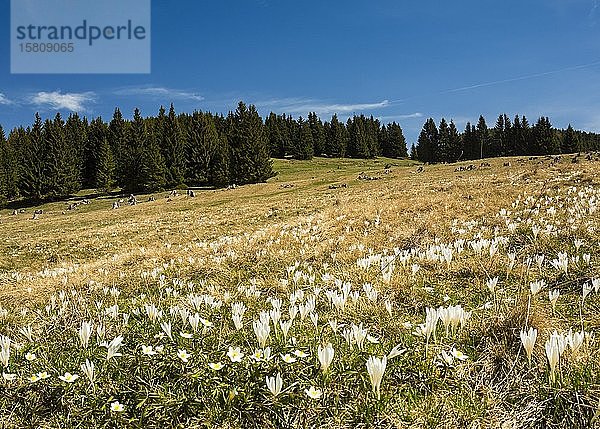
<point>415,115</point>
<point>4,100</point>
<point>304,106</point>
<point>157,92</point>
<point>75,102</point>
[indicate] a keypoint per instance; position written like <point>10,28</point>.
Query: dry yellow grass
<point>414,205</point>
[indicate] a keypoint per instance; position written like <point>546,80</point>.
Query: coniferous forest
<point>57,157</point>
<point>518,137</point>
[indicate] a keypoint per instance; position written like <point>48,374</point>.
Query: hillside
<point>436,267</point>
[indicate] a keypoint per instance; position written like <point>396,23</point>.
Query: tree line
<point>54,158</point>
<point>444,143</point>
<point>359,137</point>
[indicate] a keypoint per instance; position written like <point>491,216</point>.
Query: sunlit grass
<point>418,300</point>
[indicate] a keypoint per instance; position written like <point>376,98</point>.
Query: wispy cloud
<point>399,117</point>
<point>160,93</point>
<point>75,102</point>
<point>4,100</point>
<point>306,105</point>
<point>524,77</point>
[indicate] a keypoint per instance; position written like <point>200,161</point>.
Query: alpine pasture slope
<point>439,298</point>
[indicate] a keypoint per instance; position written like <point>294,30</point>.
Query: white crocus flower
<point>300,354</point>
<point>587,288</point>
<point>113,347</point>
<point>388,307</point>
<point>375,369</point>
<point>84,333</point>
<point>492,284</point>
<point>287,358</point>
<point>183,355</point>
<point>166,327</point>
<point>4,350</point>
<point>553,297</point>
<point>88,369</point>
<point>285,327</point>
<point>262,331</point>
<point>536,286</point>
<point>552,347</point>
<point>396,351</point>
<point>528,339</point>
<point>235,354</point>
<point>457,354</point>
<point>314,317</point>
<point>325,355</point>
<point>313,392</point>
<point>148,350</point>
<point>216,366</point>
<point>68,377</point>
<point>274,384</point>
<point>117,407</point>
<point>194,320</point>
<point>576,341</point>
<point>447,358</point>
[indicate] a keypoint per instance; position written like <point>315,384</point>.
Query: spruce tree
<point>219,167</point>
<point>498,138</point>
<point>131,153</point>
<point>102,162</point>
<point>202,143</point>
<point>18,142</point>
<point>372,127</point>
<point>455,148</point>
<point>413,152</point>
<point>105,167</point>
<point>570,141</point>
<point>152,163</point>
<point>483,136</point>
<point>524,143</point>
<point>289,132</point>
<point>383,141</point>
<point>544,139</point>
<point>304,147</point>
<point>61,167</point>
<point>443,152</point>
<point>428,142</point>
<point>76,140</point>
<point>470,142</point>
<point>337,139</point>
<point>358,143</point>
<point>508,141</point>
<point>117,139</point>
<point>318,133</point>
<point>516,140</point>
<point>249,154</point>
<point>273,128</point>
<point>173,149</point>
<point>395,143</point>
<point>32,177</point>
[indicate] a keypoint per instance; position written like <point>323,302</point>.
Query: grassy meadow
<point>428,299</point>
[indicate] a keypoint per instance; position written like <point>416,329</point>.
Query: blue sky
<point>397,60</point>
